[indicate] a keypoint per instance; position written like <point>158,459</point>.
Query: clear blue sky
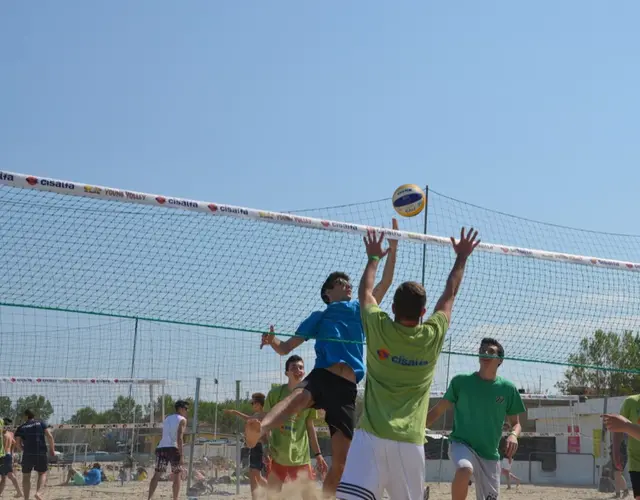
<point>528,109</point>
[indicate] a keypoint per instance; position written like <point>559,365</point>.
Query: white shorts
<point>375,464</point>
<point>486,473</point>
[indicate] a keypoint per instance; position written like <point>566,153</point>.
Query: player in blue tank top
<point>332,384</point>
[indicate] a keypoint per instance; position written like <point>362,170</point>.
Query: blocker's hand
<point>467,243</point>
<point>373,244</point>
<point>267,338</point>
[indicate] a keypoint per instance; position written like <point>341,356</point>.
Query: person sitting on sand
<point>92,477</point>
<point>141,474</point>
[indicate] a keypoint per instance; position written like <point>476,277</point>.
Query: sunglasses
<point>491,351</point>
<point>342,282</point>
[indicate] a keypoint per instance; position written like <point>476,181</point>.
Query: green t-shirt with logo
<point>289,445</point>
<point>480,408</point>
<point>401,362</point>
<point>631,410</point>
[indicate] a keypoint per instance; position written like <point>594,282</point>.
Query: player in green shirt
<point>289,444</point>
<point>387,451</point>
<point>481,402</point>
<point>627,423</point>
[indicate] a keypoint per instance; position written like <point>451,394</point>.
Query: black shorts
<point>635,482</point>
<point>166,457</point>
<point>255,457</point>
<point>6,464</point>
<point>38,463</point>
<point>336,396</point>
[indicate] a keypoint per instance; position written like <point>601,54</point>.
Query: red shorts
<point>291,472</point>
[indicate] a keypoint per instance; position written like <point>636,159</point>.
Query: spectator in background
<point>32,438</point>
<point>6,464</point>
<point>92,477</point>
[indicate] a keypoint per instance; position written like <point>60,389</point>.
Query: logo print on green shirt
<point>384,355</point>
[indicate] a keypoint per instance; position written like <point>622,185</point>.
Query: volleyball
<point>409,200</point>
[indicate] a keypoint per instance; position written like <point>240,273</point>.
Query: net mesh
<point>93,288</point>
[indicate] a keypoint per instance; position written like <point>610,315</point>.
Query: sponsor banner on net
<point>71,188</point>
<point>53,380</point>
<point>229,210</point>
<point>50,183</point>
<point>7,177</point>
<point>176,202</point>
<point>108,426</point>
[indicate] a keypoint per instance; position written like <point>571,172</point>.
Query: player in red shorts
<point>289,445</point>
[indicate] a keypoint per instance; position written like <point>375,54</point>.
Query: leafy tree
<point>125,409</point>
<point>605,351</point>
<point>86,415</point>
<point>40,405</point>
<point>6,407</point>
<point>168,407</point>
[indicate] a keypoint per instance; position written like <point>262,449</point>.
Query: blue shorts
<point>6,464</point>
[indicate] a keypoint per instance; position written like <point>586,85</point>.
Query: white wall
<point>574,470</point>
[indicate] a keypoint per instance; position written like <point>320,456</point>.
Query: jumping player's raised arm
<point>367,294</point>
<point>385,283</point>
<point>463,249</point>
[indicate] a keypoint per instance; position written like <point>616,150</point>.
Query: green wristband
<point>374,257</point>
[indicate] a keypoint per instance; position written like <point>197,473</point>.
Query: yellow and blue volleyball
<point>409,200</point>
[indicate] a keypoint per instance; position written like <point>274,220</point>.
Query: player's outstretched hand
<point>373,244</point>
<point>467,243</point>
<point>393,244</point>
<point>267,338</point>
<point>615,423</point>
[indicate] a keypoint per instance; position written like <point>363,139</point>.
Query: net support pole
<point>163,403</point>
<point>151,404</point>
<point>194,431</point>
<point>216,407</point>
<point>444,418</point>
<point>238,439</point>
<point>133,367</point>
<point>603,437</point>
<point>424,229</point>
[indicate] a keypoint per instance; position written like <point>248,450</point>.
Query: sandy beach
<point>138,491</point>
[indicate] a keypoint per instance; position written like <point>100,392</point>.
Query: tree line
<point>609,352</point>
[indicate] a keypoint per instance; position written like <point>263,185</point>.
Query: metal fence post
<point>238,455</point>
<point>194,431</point>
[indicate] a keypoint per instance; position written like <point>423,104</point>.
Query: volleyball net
<point>108,282</point>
